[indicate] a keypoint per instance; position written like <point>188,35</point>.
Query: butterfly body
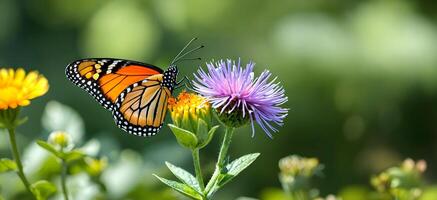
<point>136,93</point>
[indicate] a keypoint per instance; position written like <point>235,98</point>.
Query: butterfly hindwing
<point>141,108</point>
<point>106,78</point>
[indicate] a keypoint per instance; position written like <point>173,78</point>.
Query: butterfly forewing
<point>105,79</point>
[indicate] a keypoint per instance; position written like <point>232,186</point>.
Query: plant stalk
<point>64,179</point>
<point>210,187</point>
<point>197,169</point>
<point>17,159</point>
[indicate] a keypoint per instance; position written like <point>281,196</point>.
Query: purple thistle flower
<point>233,90</point>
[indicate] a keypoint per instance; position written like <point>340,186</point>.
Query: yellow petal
<point>30,78</point>
<point>3,74</point>
<point>19,76</point>
<point>24,102</point>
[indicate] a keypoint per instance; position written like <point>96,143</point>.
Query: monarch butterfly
<point>136,93</point>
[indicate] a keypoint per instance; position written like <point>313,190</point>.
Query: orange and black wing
<point>141,107</point>
<point>106,78</point>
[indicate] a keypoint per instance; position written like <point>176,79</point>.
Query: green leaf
<point>21,121</point>
<point>237,166</point>
<point>185,177</point>
<point>49,148</point>
<point>7,165</point>
<point>43,189</point>
<point>73,155</point>
<point>205,141</point>
<point>185,138</point>
<point>180,187</point>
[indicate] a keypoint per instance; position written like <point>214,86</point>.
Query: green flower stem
<point>220,162</point>
<point>64,179</point>
<point>17,159</point>
<point>197,169</point>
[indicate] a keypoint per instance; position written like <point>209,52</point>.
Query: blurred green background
<point>360,75</point>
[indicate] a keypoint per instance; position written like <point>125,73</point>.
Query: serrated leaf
<point>185,177</point>
<point>185,138</point>
<point>237,166</point>
<point>7,165</point>
<point>180,187</point>
<point>49,148</point>
<point>43,189</point>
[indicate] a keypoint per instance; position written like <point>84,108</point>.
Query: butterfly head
<point>170,76</point>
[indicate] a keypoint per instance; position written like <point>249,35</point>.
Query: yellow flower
<point>95,167</point>
<point>191,114</point>
<point>61,140</point>
<point>187,108</point>
<point>17,88</point>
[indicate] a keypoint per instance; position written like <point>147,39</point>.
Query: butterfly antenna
<point>183,59</point>
<point>186,53</point>
<point>183,49</point>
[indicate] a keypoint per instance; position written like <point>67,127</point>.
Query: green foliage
<point>185,138</point>
<point>73,155</point>
<point>7,165</point>
<point>204,135</point>
<point>402,182</point>
<point>180,187</point>
<point>68,156</point>
<point>49,148</point>
<point>236,167</point>
<point>355,193</point>
<point>185,177</point>
<point>195,141</point>
<point>192,140</point>
<point>430,193</point>
<point>43,189</point>
<point>9,118</point>
<point>20,121</point>
<point>274,194</point>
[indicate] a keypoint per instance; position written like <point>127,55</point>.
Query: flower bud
<point>232,118</point>
<point>61,140</point>
<point>191,115</point>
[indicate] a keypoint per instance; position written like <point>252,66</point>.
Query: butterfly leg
<point>187,84</point>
